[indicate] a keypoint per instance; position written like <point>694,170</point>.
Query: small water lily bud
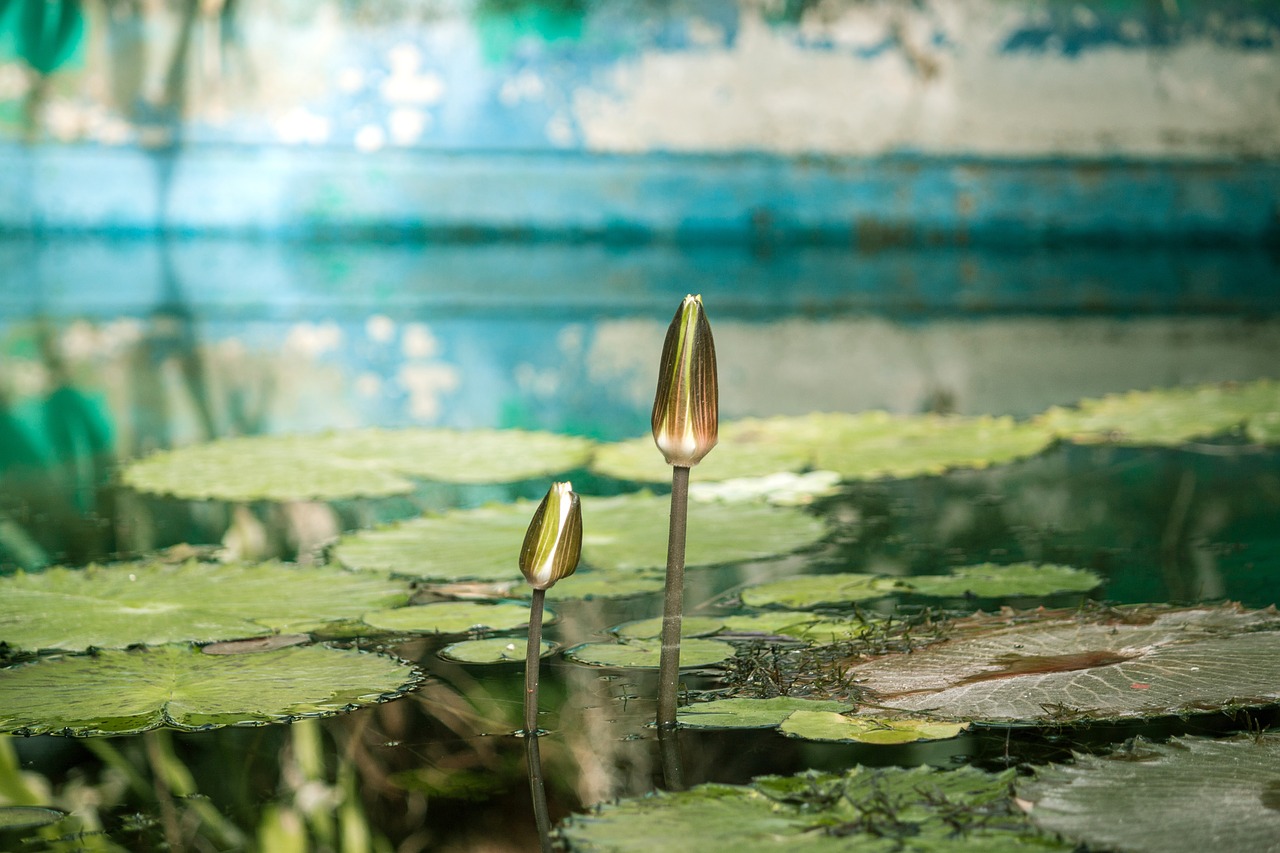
<point>686,408</point>
<point>553,542</point>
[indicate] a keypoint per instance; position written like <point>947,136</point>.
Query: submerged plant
<point>550,553</point>
<point>685,421</point>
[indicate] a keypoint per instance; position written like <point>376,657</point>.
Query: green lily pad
<point>494,650</point>
<point>805,627</point>
<point>352,463</point>
<point>471,544</point>
<point>827,725</point>
<point>752,713</point>
<point>630,532</point>
<point>589,585</point>
<point>620,533</point>
<point>1192,793</point>
<point>125,692</point>
<point>28,817</point>
<point>802,591</point>
<point>643,654</point>
<point>1171,416</point>
<point>889,810</point>
<point>876,444</point>
<point>1062,666</point>
<point>990,580</point>
<point>648,629</point>
<point>151,603</point>
<point>746,448</point>
<point>453,617</point>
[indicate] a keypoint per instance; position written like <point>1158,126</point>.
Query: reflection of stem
<point>673,602</point>
<point>156,754</point>
<point>532,664</point>
<point>672,763</point>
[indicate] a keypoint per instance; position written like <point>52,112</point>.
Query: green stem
<point>673,602</point>
<point>532,664</point>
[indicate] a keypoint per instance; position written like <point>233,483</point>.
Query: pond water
<point>112,350</point>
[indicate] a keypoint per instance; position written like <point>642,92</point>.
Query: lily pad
<point>648,629</point>
<point>453,617</point>
<point>1192,793</point>
<point>873,445</point>
<point>805,627</point>
<point>125,692</point>
<point>752,713</point>
<point>920,810</point>
<point>352,463</point>
<point>827,725</point>
<point>152,603</point>
<point>990,580</point>
<point>802,591</point>
<point>28,817</point>
<point>747,448</point>
<point>630,532</point>
<point>861,446</point>
<point>589,585</point>
<point>493,650</point>
<point>1060,666</point>
<point>619,533</point>
<point>643,654</point>
<point>1172,416</point>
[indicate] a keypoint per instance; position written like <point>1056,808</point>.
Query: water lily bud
<point>686,408</point>
<point>553,542</point>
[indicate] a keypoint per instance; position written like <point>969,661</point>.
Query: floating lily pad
<point>352,463</point>
<point>453,617</point>
<point>589,585</point>
<point>648,629</point>
<point>747,448</point>
<point>987,580</point>
<point>990,580</point>
<point>921,810</point>
<point>1057,666</point>
<point>803,591</point>
<point>876,444</point>
<point>471,544</point>
<point>1171,416</point>
<point>151,603</point>
<point>630,532</point>
<point>493,650</point>
<point>1189,794</point>
<point>124,692</point>
<point>752,713</point>
<point>805,627</point>
<point>627,532</point>
<point>28,817</point>
<point>643,654</point>
<point>827,725</point>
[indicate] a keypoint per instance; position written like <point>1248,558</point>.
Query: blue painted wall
<point>965,120</point>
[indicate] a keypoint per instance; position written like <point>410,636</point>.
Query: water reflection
<point>208,340</point>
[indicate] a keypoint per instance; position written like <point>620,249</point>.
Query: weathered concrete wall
<point>340,114</point>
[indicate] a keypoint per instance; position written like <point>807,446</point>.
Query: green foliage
<point>828,725</point>
<point>453,617</point>
<point>154,603</point>
<point>125,692</point>
<point>643,654</point>
<point>352,463</point>
<point>920,810</point>
<point>493,650</point>
<point>752,713</point>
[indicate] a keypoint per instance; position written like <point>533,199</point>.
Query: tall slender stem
<point>532,665</point>
<point>673,601</point>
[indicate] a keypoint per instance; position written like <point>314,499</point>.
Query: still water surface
<point>110,350</point>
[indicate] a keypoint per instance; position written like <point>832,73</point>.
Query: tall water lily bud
<point>553,542</point>
<point>686,408</point>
